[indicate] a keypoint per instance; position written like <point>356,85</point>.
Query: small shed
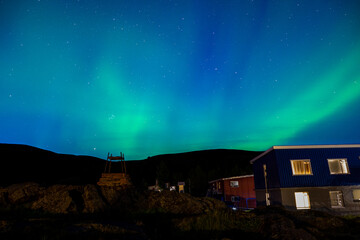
<point>181,186</point>
<point>238,191</point>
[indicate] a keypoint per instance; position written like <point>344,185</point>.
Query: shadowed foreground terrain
<point>44,195</point>
<point>31,211</point>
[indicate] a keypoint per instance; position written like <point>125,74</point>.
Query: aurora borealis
<point>153,77</point>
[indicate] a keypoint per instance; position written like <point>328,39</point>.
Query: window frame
<point>218,185</point>
<point>300,160</point>
<point>338,159</point>
<point>355,200</point>
<point>308,198</point>
<point>342,199</point>
<point>234,186</point>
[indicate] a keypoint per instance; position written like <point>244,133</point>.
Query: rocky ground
<point>31,211</point>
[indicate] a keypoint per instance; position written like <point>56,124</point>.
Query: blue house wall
<point>320,169</point>
<point>273,179</point>
<point>279,172</point>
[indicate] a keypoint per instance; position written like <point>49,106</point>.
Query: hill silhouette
<point>196,168</point>
<point>22,163</point>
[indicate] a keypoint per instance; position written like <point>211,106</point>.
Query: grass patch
<point>221,220</point>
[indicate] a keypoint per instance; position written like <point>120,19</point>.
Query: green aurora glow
<point>147,78</point>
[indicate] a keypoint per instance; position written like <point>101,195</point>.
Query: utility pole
<point>267,195</point>
<point>189,186</point>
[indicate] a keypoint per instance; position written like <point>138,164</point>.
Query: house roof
<point>229,178</point>
<point>305,147</point>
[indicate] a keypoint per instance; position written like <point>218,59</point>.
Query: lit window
<point>356,195</point>
<point>338,166</point>
<point>336,199</point>
<point>234,183</point>
<point>301,167</point>
<point>302,200</point>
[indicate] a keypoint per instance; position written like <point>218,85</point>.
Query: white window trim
<point>235,186</point>
<point>347,165</point>
<point>302,208</point>
<point>337,206</point>
<point>355,200</point>
<point>292,170</point>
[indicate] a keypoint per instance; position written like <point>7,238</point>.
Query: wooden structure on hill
<point>110,179</point>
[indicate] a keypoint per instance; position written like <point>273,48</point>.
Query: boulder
<point>93,202</point>
<point>60,199</point>
<point>5,226</point>
<point>277,226</point>
<point>320,220</point>
<point>3,197</point>
<point>111,194</point>
<point>180,203</point>
<point>24,192</point>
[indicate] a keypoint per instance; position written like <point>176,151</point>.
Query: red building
<point>236,191</point>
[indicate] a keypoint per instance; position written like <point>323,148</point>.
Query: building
<point>157,188</point>
<point>321,177</point>
<point>181,186</point>
<point>238,192</point>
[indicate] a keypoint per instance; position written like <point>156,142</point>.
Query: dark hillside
<point>21,163</point>
<point>194,168</point>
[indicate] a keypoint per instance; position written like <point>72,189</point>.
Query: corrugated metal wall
<point>271,169</point>
<point>280,173</point>
<point>246,188</point>
<point>320,168</point>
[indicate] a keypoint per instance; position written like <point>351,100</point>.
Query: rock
<point>210,204</point>
<point>5,226</point>
<point>23,192</point>
<point>123,230</point>
<point>122,199</point>
<point>320,220</point>
<point>92,200</point>
<point>277,226</point>
<point>3,196</point>
<point>180,203</point>
<point>60,199</point>
<point>111,194</point>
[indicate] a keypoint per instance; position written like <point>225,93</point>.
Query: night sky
<point>153,77</point>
